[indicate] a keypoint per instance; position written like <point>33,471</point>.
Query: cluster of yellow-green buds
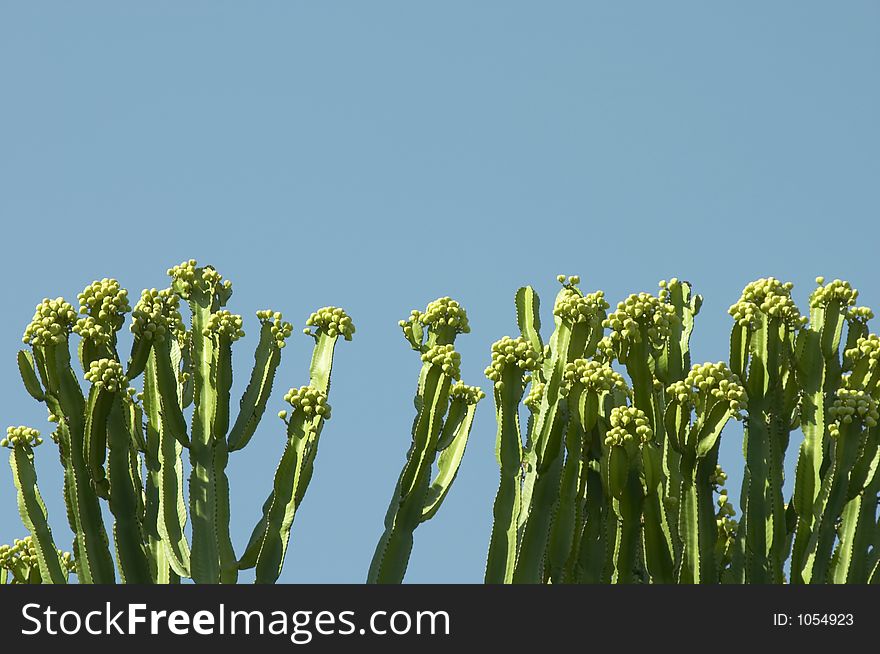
<point>333,321</point>
<point>279,328</point>
<point>107,374</point>
<point>708,383</point>
<point>52,323</point>
<point>446,357</point>
<point>859,314</point>
<point>867,347</point>
<point>445,312</point>
<point>156,314</point>
<point>636,313</point>
<point>536,394</point>
<point>311,401</point>
<point>68,563</point>
<point>628,425</point>
<point>838,290</point>
<point>103,304</point>
<point>22,550</point>
<point>596,377</point>
<point>724,520</point>
<point>718,478</point>
<point>470,394</point>
<point>770,297</point>
<point>725,506</point>
<point>185,276</point>
<point>573,307</point>
<point>224,324</point>
<point>849,406</point>
<point>21,436</point>
<point>511,351</point>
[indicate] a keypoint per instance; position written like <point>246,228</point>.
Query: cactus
<point>444,415</point>
<point>124,446</point>
<point>623,486</point>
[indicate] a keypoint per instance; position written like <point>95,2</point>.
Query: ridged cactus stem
<point>819,377</point>
<point>762,352</point>
<point>268,543</point>
<point>405,512</point>
<point>93,558</point>
<point>166,505</point>
<point>852,411</point>
<point>125,494</point>
<point>31,507</point>
<point>509,452</point>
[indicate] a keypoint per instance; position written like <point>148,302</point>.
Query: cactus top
<point>156,314</point>
<point>511,351</point>
<point>105,300</point>
<point>574,307</point>
<point>640,311</point>
<point>52,323</point>
<point>22,549</point>
<point>279,328</point>
<point>445,312</point>
<point>21,436</point>
<point>333,321</point>
<point>446,357</point>
<point>595,376</point>
<point>469,394</point>
<point>706,384</point>
<point>224,324</point>
<point>628,425</point>
<point>187,275</point>
<point>770,297</point>
<point>849,406</point>
<point>859,314</point>
<point>867,347</point>
<point>836,290</point>
<point>311,401</point>
<point>107,374</point>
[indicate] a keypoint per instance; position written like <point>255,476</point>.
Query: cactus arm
<point>134,566</point>
<point>451,454</point>
<point>167,387</point>
<point>393,551</point>
<point>811,374</point>
<point>29,376</point>
<point>97,412</point>
<point>137,360</point>
<point>565,520</point>
<point>166,473</point>
<point>34,515</point>
<point>93,559</point>
<point>206,490</point>
<point>628,510</point>
<point>568,343</point>
<point>536,532</point>
<point>528,316</point>
<point>508,448</point>
<point>865,531</point>
<point>267,357</point>
<point>846,449</point>
<point>268,543</point>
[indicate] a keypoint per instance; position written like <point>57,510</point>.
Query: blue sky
<point>378,155</point>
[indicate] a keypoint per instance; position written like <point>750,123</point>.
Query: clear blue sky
<point>378,155</point>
